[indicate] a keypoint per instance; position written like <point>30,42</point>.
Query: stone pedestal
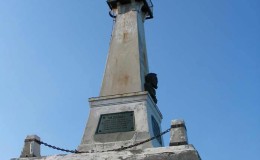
<point>145,124</point>
<point>184,152</point>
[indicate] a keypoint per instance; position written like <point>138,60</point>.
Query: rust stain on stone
<point>124,80</point>
<point>125,36</point>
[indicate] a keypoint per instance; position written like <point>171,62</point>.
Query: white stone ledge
<point>184,152</point>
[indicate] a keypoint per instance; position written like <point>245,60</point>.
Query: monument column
<point>127,59</point>
<point>125,113</point>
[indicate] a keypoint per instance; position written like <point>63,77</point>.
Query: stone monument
<point>126,112</point>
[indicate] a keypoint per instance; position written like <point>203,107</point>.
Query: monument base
<point>121,120</point>
<point>183,152</point>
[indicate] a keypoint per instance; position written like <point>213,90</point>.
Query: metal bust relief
<point>150,85</point>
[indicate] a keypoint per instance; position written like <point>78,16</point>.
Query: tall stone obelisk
<point>125,113</point>
<point>127,59</point>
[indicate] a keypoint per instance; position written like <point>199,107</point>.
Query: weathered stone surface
<point>143,107</point>
<point>184,152</point>
<point>127,62</point>
<point>178,133</point>
<point>31,148</point>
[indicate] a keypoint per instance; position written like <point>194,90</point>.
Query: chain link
<point>54,147</point>
<point>117,149</point>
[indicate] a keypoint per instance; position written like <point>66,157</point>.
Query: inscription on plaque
<point>116,122</point>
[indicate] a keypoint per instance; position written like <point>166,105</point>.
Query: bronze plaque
<point>116,122</point>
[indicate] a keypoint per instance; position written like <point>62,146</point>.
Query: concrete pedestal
<point>146,115</point>
<point>183,152</point>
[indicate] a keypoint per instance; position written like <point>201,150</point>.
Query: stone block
<point>31,147</point>
<point>178,133</point>
<point>143,109</point>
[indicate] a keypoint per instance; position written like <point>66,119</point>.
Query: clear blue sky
<point>206,54</point>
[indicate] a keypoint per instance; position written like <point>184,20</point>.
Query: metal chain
<point>54,147</point>
<point>142,142</point>
<point>117,149</point>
